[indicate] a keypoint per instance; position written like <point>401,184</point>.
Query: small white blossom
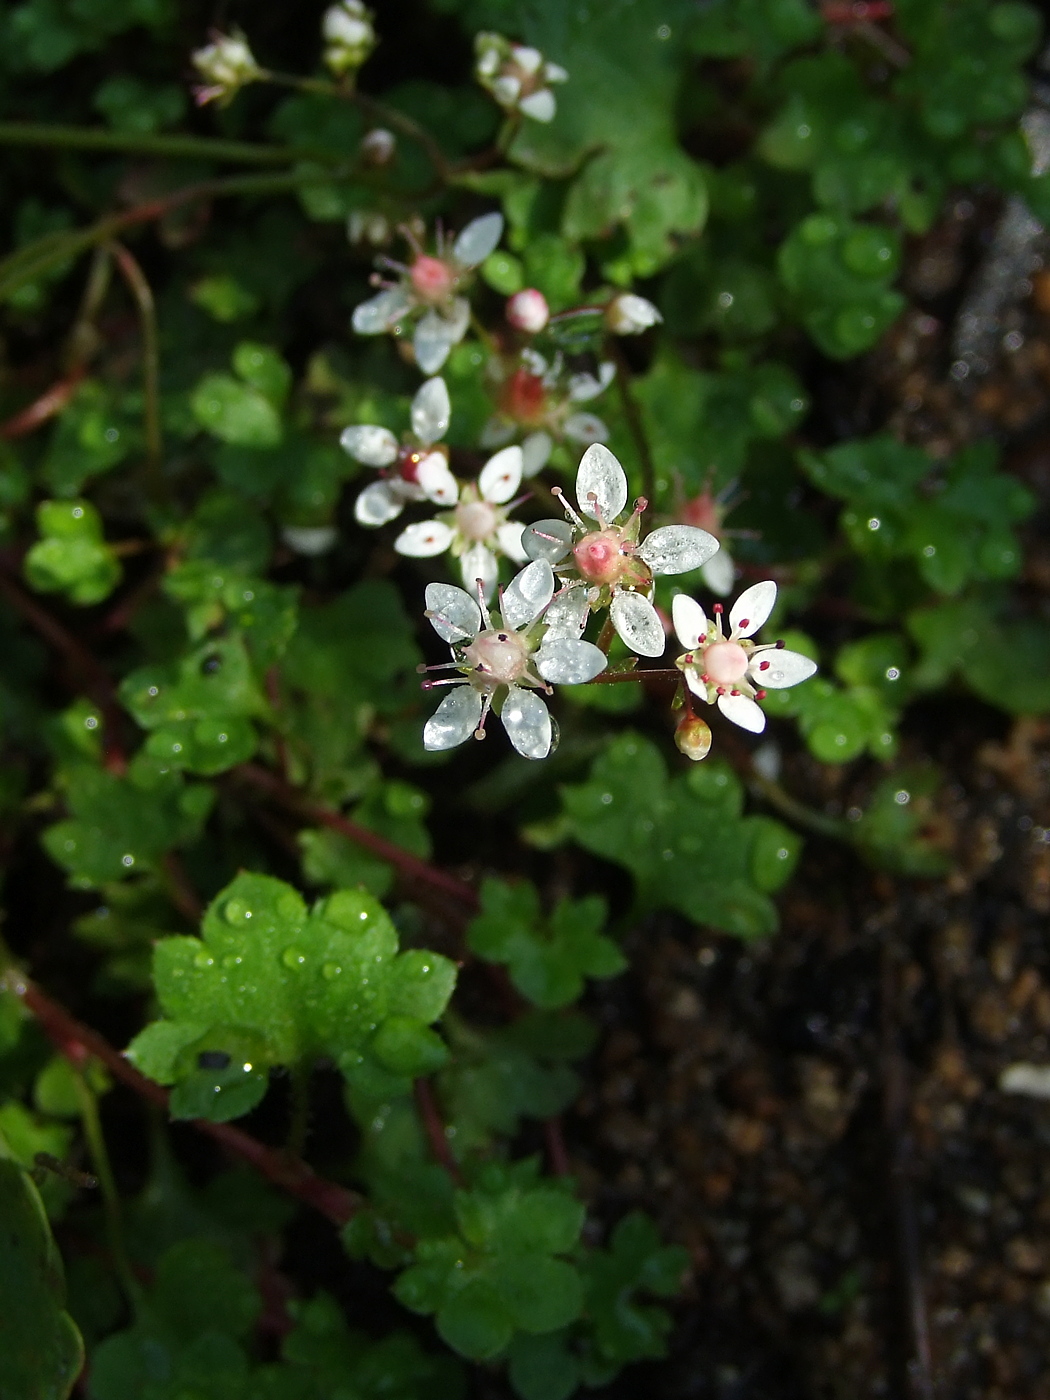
<point>309,540</point>
<point>477,531</point>
<point>502,660</point>
<point>349,36</point>
<point>611,567</point>
<point>378,146</point>
<point>429,287</point>
<point>629,314</point>
<point>226,64</point>
<point>732,671</point>
<point>541,396</point>
<point>528,311</point>
<point>413,470</point>
<point>517,76</point>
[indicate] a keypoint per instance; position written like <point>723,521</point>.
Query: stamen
<point>640,505</point>
<point>451,680</point>
<point>780,644</point>
<point>592,501</point>
<point>486,705</point>
<point>576,519</point>
<point>760,694</point>
<point>481,602</point>
<point>439,666</point>
<point>718,609</point>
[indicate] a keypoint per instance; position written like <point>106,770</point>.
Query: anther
<point>718,608</point>
<point>760,694</point>
<point>763,665</point>
<point>780,643</point>
<point>745,622</point>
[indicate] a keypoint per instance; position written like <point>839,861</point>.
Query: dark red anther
<point>760,694</point>
<point>780,643</point>
<point>718,608</point>
<point>763,665</point>
<point>745,621</point>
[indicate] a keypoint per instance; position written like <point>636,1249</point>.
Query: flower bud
<point>349,36</point>
<point>628,314</point>
<point>693,737</point>
<point>378,146</point>
<point>528,311</point>
<point>226,64</point>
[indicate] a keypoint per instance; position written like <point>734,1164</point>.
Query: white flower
<point>310,540</point>
<point>430,285</point>
<point>226,64</point>
<point>378,146</point>
<point>609,563</point>
<point>734,672</point>
<point>628,314</point>
<point>503,660</point>
<point>477,531</point>
<point>528,311</point>
<point>349,36</point>
<point>517,76</point>
<point>414,470</point>
<point>540,395</point>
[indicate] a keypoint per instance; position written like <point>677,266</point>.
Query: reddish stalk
<point>75,1040</point>
<point>435,1130</point>
<point>556,1153</point>
<point>50,402</point>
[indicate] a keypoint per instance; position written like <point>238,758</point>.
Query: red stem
<point>435,1130</point>
<point>74,1040</point>
<point>50,402</point>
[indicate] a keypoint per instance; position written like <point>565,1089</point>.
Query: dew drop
<point>293,957</point>
<point>236,911</point>
<point>203,959</point>
<point>330,971</point>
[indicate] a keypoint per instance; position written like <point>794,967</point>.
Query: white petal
<point>690,621</point>
<point>378,503</point>
<point>567,615</point>
<point>783,668</point>
<point>585,427</point>
<point>436,481</point>
<point>719,573</point>
<point>509,536</point>
<point>478,240</point>
<point>477,562</point>
<point>506,89</point>
<point>695,684</point>
<point>676,549</point>
<point>310,540</point>
<point>527,722</point>
<point>381,312</point>
<point>555,73</point>
<point>423,539</point>
<point>547,539</point>
<point>367,443</point>
<point>638,623</point>
<point>433,339</point>
<point>454,720</point>
<point>527,594</point>
<point>752,608</point>
<point>567,661</point>
<point>526,58</point>
<point>743,712</point>
<point>540,106</point>
<point>600,475</point>
<point>535,452</point>
<point>431,411</point>
<point>453,614</point>
<point>586,386</point>
<point>501,476</point>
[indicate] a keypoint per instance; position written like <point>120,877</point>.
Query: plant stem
<point>435,1130</point>
<point>78,138</point>
<point>797,812</point>
<point>634,420</point>
<point>142,292</point>
<point>96,1141</point>
<point>75,1040</point>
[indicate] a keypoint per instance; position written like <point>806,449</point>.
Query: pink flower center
<point>475,520</point>
<point>431,278</point>
<point>725,662</point>
<point>499,656</point>
<point>599,557</point>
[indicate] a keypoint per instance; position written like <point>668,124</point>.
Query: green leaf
<point>542,1367</point>
<point>73,557</point>
<point>41,1352</point>
<point>235,412</point>
<point>475,1321</point>
<point>265,370</point>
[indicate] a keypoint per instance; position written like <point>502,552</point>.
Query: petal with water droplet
<point>500,477</point>
<point>433,339</point>
<point>743,712</point>
<point>600,476</point>
<point>454,615</point>
<point>752,608</point>
<point>567,661</point>
<point>431,411</point>
<point>527,722</point>
<point>690,620</point>
<point>638,624</point>
<point>378,502</point>
<point>547,539</point>
<point>423,539</point>
<point>676,549</point>
<point>369,444</point>
<point>783,668</point>
<point>528,594</point>
<point>454,720</point>
<point>567,615</point>
<point>381,312</point>
<point>478,240</point>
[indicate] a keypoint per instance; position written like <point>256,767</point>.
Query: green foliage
<point>72,557</point>
<point>272,983</point>
<point>684,839</point>
<point>548,960</point>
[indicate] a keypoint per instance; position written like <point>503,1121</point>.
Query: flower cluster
<point>349,36</point>
<point>542,399</point>
<point>226,65</point>
<point>518,77</point>
<point>430,288</point>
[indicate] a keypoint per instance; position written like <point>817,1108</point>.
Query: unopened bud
<point>378,146</point>
<point>226,65</point>
<point>349,36</point>
<point>693,737</point>
<point>628,314</point>
<point>528,311</point>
